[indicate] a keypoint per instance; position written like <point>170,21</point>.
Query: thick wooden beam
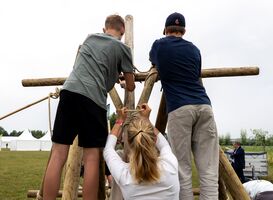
<point>129,97</point>
<point>162,116</point>
<point>148,86</point>
<point>230,71</point>
<point>115,98</point>
<point>206,73</point>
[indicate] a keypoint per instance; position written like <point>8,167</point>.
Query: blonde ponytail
<point>143,156</point>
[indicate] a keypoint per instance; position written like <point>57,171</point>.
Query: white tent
<point>25,142</point>
<point>6,141</point>
<point>46,142</point>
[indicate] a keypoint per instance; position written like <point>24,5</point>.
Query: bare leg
<point>54,170</point>
<point>91,173</point>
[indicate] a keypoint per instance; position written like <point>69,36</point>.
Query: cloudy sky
<point>39,38</point>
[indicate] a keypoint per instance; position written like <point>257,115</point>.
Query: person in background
<point>152,171</point>
<point>238,160</point>
<point>259,189</point>
<point>82,107</point>
<point>191,124</point>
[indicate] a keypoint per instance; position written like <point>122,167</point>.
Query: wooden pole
<point>115,98</point>
<point>232,182</point>
<point>117,103</point>
<point>148,86</point>
<point>72,175</point>
<point>129,97</point>
<point>206,73</point>
<point>162,116</point>
<point>222,190</point>
<point>33,193</point>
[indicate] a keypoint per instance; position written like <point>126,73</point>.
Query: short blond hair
<point>115,22</point>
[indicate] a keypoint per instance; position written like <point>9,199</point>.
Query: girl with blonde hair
<point>152,171</point>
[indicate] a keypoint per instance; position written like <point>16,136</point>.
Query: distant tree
<point>3,132</point>
<point>15,133</point>
<point>269,140</point>
<point>37,133</point>
<point>244,139</point>
<point>221,139</point>
<point>112,119</point>
<point>227,139</point>
<point>260,137</point>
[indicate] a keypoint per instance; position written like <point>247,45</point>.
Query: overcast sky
<point>39,39</point>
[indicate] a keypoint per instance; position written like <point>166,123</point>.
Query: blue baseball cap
<point>175,19</point>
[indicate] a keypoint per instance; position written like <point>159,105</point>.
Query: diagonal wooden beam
<point>115,98</point>
<point>162,116</point>
<point>148,86</point>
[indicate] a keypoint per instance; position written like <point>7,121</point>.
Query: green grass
<point>22,171</point>
<point>19,172</point>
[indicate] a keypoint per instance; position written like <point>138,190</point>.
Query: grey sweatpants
<point>192,130</point>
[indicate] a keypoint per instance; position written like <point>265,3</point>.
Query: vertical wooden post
<point>232,182</point>
<point>72,175</point>
<point>129,97</point>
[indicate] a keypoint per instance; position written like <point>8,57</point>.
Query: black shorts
<point>79,115</point>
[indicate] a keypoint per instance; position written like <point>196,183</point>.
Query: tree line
<point>35,133</point>
<point>258,137</point>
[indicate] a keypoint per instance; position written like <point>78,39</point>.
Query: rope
<point>51,95</point>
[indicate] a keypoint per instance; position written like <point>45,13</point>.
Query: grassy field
<point>23,171</point>
<point>19,172</point>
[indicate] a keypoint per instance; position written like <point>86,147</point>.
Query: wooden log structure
<point>139,77</point>
<point>228,179</point>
